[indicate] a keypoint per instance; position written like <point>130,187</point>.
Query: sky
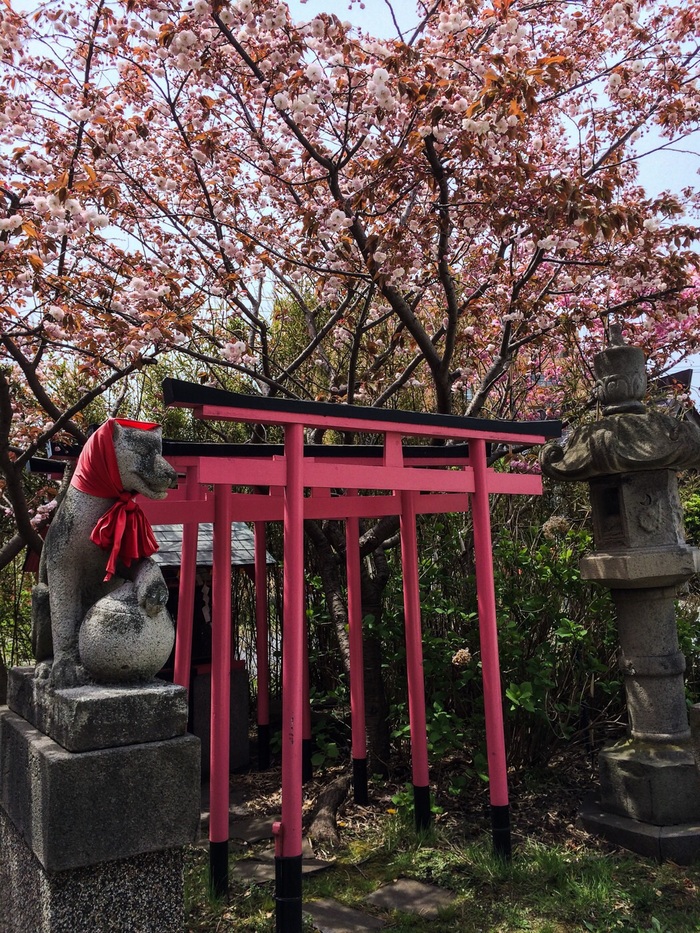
<point>372,15</point>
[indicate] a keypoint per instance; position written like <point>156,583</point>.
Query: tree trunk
<point>328,547</point>
<point>375,576</point>
<point>3,682</point>
<point>328,565</point>
<point>323,829</point>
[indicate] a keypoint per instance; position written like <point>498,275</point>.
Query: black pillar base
<point>263,747</point>
<point>288,894</point>
<point>500,828</point>
<point>218,868</point>
<point>421,807</point>
<point>307,769</point>
<point>359,781</point>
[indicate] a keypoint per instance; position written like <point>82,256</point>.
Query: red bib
<point>123,529</point>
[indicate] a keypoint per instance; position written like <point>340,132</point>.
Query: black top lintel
<point>191,395</point>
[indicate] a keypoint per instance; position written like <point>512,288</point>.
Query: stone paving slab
<point>245,829</point>
<point>262,870</point>
<point>307,852</point>
<point>412,897</point>
<point>250,869</point>
<point>238,803</point>
<point>252,828</point>
<point>329,916</point>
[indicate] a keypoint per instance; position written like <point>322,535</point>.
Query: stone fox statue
<point>98,538</point>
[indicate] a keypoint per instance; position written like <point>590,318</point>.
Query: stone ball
<point>119,642</point>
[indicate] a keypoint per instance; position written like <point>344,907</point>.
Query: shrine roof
<point>169,538</point>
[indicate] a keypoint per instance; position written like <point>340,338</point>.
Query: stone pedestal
<point>142,893</point>
<point>658,786</point>
<point>92,839</point>
<point>83,719</point>
<point>675,843</point>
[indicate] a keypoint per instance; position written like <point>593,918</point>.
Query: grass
<point>545,889</point>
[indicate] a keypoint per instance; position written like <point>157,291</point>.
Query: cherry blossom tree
<point>436,207</point>
<point>456,209</point>
<point>451,217</point>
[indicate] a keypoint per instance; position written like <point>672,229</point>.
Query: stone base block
<point>654,784</point>
<point>239,747</point>
<point>142,894</point>
<point>96,716</point>
<point>679,843</point>
<point>77,809</point>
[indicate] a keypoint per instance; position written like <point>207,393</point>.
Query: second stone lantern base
<point>649,800</point>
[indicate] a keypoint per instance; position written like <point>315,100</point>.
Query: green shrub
<point>557,644</point>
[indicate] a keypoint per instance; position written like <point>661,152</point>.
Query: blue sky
<point>375,17</point>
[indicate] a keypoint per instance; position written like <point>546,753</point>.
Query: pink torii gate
<point>407,481</point>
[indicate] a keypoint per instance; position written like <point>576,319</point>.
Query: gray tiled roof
<point>169,538</point>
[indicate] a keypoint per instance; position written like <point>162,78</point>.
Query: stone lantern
<point>649,785</point>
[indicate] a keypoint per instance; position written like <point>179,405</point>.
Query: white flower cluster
<point>452,22</point>
<point>11,223</point>
<point>476,126</point>
<point>201,8</point>
<point>231,249</point>
<point>337,221</point>
<point>234,352</point>
<point>61,214</point>
<point>458,104</point>
<point>379,86</point>
<point>342,338</point>
<point>44,510</point>
<point>34,163</point>
<point>142,289</point>
<point>54,331</point>
<point>275,18</point>
<point>314,72</point>
<point>615,88</point>
<point>14,120</point>
<point>620,14</point>
<point>10,36</point>
<point>316,27</point>
<point>183,40</point>
<point>81,115</point>
<point>159,15</point>
<point>551,242</point>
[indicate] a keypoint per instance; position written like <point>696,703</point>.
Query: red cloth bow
<point>123,528</point>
